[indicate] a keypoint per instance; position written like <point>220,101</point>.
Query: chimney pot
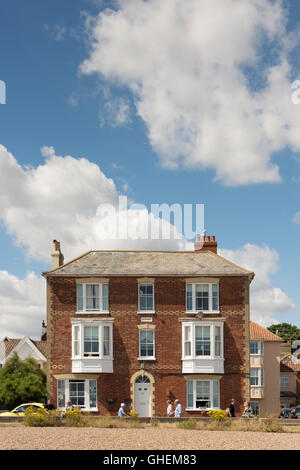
<point>206,243</point>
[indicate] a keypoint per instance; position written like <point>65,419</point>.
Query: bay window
<point>203,394</point>
<point>92,345</point>
<point>81,393</point>
<point>92,298</point>
<point>202,297</point>
<point>202,346</point>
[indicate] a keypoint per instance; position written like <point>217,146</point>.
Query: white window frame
<point>286,380</point>
<point>84,309</point>
<point>146,358</point>
<point>260,377</point>
<point>100,324</point>
<point>192,325</point>
<point>143,312</point>
<point>211,395</point>
<point>86,407</point>
<point>210,297</point>
<point>260,347</point>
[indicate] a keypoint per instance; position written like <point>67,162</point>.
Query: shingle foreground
<point>149,263</point>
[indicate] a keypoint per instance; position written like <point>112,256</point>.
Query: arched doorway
<point>142,393</point>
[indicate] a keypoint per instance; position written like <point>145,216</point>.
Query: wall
<point>166,370</point>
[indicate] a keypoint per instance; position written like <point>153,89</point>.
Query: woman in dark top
<point>232,408</point>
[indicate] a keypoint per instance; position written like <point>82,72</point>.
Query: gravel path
<point>149,439</point>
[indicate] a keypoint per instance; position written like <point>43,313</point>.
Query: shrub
<point>271,425</point>
<point>75,417</point>
<point>190,424</point>
<point>218,415</point>
<point>42,417</point>
<point>133,415</point>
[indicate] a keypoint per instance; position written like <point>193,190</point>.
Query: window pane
<point>218,341</point>
<point>146,343</point>
<point>189,297</point>
<point>202,340</point>
<point>254,347</point>
<point>79,297</point>
<point>187,341</point>
<point>105,297</point>
<point>61,399</point>
<point>76,391</point>
<point>216,398</point>
<point>93,393</point>
<point>76,340</point>
<point>91,340</point>
<point>202,394</point>
<point>146,297</point>
<point>215,297</point>
<point>190,395</point>
<point>92,297</point>
<point>106,341</point>
<point>202,297</point>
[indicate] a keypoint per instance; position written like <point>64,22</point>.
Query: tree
<point>21,381</point>
<point>286,331</point>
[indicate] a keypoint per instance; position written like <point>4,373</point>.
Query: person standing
<point>169,409</point>
<point>178,409</point>
<point>121,411</point>
<point>49,406</point>
<point>232,408</point>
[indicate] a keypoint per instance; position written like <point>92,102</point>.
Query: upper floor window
<point>147,344</point>
<point>202,297</point>
<point>92,298</point>
<point>146,298</point>
<point>256,347</point>
<point>284,381</point>
<point>202,340</point>
<point>91,340</point>
<point>257,376</point>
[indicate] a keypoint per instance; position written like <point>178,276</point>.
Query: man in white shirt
<point>178,409</point>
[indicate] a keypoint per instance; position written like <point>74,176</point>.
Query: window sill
<point>146,312</point>
<point>92,312</point>
<point>146,358</point>
<point>209,312</point>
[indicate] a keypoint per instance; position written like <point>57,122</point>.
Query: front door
<point>142,396</point>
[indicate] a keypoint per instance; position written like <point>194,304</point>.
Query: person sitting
<point>248,412</point>
<point>49,406</point>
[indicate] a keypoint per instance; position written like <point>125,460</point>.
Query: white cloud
<point>59,200</point>
<point>22,305</point>
<point>184,63</point>
<point>115,113</point>
<point>266,300</point>
<point>296,218</point>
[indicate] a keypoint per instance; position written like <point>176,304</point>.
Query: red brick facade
<point>166,370</point>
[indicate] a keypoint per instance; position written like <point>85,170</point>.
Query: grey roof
<point>149,263</point>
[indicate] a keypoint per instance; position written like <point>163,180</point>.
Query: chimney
<point>56,256</point>
<point>206,243</point>
<point>44,331</point>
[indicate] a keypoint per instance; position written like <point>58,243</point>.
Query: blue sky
<point>53,101</point>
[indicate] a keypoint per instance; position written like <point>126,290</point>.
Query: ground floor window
<point>255,407</point>
<point>203,394</point>
<point>81,393</point>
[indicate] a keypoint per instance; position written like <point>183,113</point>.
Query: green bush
<point>190,424</point>
<point>271,425</point>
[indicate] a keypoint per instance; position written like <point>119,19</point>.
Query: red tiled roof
<point>290,364</point>
<point>259,332</point>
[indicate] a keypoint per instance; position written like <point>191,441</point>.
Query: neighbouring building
<point>143,326</point>
<point>264,371</point>
<point>25,347</point>
<point>289,381</point>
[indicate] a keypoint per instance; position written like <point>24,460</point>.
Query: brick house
<point>143,326</point>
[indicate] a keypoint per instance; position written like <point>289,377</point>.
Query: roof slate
<point>149,263</point>
<point>11,343</point>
